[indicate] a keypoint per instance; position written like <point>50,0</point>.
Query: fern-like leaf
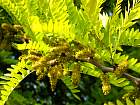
<point>39,46</point>
<point>67,81</point>
<point>12,79</point>
<point>130,37</point>
<point>127,102</point>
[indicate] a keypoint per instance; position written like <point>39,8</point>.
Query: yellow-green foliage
<point>65,40</point>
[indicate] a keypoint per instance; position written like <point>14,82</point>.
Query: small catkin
<point>76,74</point>
<point>106,87</point>
<point>54,74</point>
<point>122,67</point>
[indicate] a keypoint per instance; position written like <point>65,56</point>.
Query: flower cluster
<point>106,87</point>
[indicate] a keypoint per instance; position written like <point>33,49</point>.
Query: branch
<point>92,60</point>
<point>108,69</point>
<point>132,78</point>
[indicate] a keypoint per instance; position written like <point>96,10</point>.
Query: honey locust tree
<point>62,41</point>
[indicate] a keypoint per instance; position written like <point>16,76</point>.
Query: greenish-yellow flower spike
<point>76,74</point>
<point>106,87</point>
<point>122,67</point>
<point>54,74</point>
